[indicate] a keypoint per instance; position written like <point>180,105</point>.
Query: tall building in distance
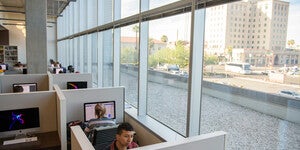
<point>252,31</point>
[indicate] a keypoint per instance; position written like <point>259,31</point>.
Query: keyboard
<point>21,140</point>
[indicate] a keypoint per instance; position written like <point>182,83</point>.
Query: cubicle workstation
<point>29,82</point>
<point>72,104</point>
<point>210,141</point>
<point>44,82</point>
<point>77,99</point>
<point>29,120</point>
<point>71,80</point>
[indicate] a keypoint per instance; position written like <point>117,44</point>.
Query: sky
<point>175,29</point>
<point>293,31</point>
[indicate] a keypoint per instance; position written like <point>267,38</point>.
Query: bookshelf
<point>9,54</point>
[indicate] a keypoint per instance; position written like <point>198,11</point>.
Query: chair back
<point>104,136</point>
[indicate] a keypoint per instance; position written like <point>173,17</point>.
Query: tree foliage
<point>210,59</point>
<point>129,56</point>
<point>179,56</point>
<point>151,43</point>
<point>291,42</point>
<point>164,39</point>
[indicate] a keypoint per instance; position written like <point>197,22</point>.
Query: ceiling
<point>17,7</point>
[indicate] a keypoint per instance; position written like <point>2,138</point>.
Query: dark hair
<point>124,126</point>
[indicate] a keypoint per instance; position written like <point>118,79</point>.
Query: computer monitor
<point>27,87</point>
<point>76,84</point>
<point>89,109</point>
<point>3,66</point>
<point>19,121</point>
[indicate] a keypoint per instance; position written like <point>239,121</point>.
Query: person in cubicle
<point>99,120</point>
<point>124,138</point>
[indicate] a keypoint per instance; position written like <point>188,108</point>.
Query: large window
<point>246,101</point>
<point>150,55</point>
<point>168,49</point>
<point>129,62</point>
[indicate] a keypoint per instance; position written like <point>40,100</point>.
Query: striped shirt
<point>93,123</point>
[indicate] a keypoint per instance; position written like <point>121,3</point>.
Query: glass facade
<point>193,69</point>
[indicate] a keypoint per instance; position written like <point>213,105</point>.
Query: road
<point>255,81</point>
<point>255,84</point>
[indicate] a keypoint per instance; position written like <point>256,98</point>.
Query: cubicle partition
<point>61,117</point>
<point>70,105</point>
<point>7,81</point>
<point>44,100</point>
<point>76,98</point>
<point>210,141</point>
<point>62,79</point>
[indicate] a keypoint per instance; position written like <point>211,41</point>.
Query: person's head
<point>99,110</point>
<point>18,89</point>
<point>52,61</point>
<point>125,134</point>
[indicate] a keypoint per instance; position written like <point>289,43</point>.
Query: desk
<point>48,140</point>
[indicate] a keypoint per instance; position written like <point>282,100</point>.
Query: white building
<point>252,25</point>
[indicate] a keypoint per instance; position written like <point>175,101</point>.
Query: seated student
<point>123,139</point>
<point>1,71</point>
<point>100,120</point>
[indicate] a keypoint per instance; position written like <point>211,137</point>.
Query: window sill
<point>156,127</point>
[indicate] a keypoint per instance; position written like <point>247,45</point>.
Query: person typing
<point>99,120</point>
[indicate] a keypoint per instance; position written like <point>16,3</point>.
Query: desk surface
<point>48,140</point>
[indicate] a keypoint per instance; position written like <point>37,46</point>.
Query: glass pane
<point>91,13</point>
<point>158,3</point>
<point>168,49</point>
<point>94,58</point>
<point>129,62</point>
<point>85,54</point>
<point>129,8</point>
<point>246,66</point>
<point>108,59</point>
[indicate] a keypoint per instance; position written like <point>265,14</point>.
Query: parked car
<point>267,72</point>
<point>289,93</point>
<point>173,68</point>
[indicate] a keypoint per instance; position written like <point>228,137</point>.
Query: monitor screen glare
<point>27,87</point>
<point>89,110</point>
<point>18,119</point>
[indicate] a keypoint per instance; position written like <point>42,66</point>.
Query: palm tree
<point>136,30</point>
<point>164,39</point>
<point>291,43</point>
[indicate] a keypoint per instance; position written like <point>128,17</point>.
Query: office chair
<point>104,136</point>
